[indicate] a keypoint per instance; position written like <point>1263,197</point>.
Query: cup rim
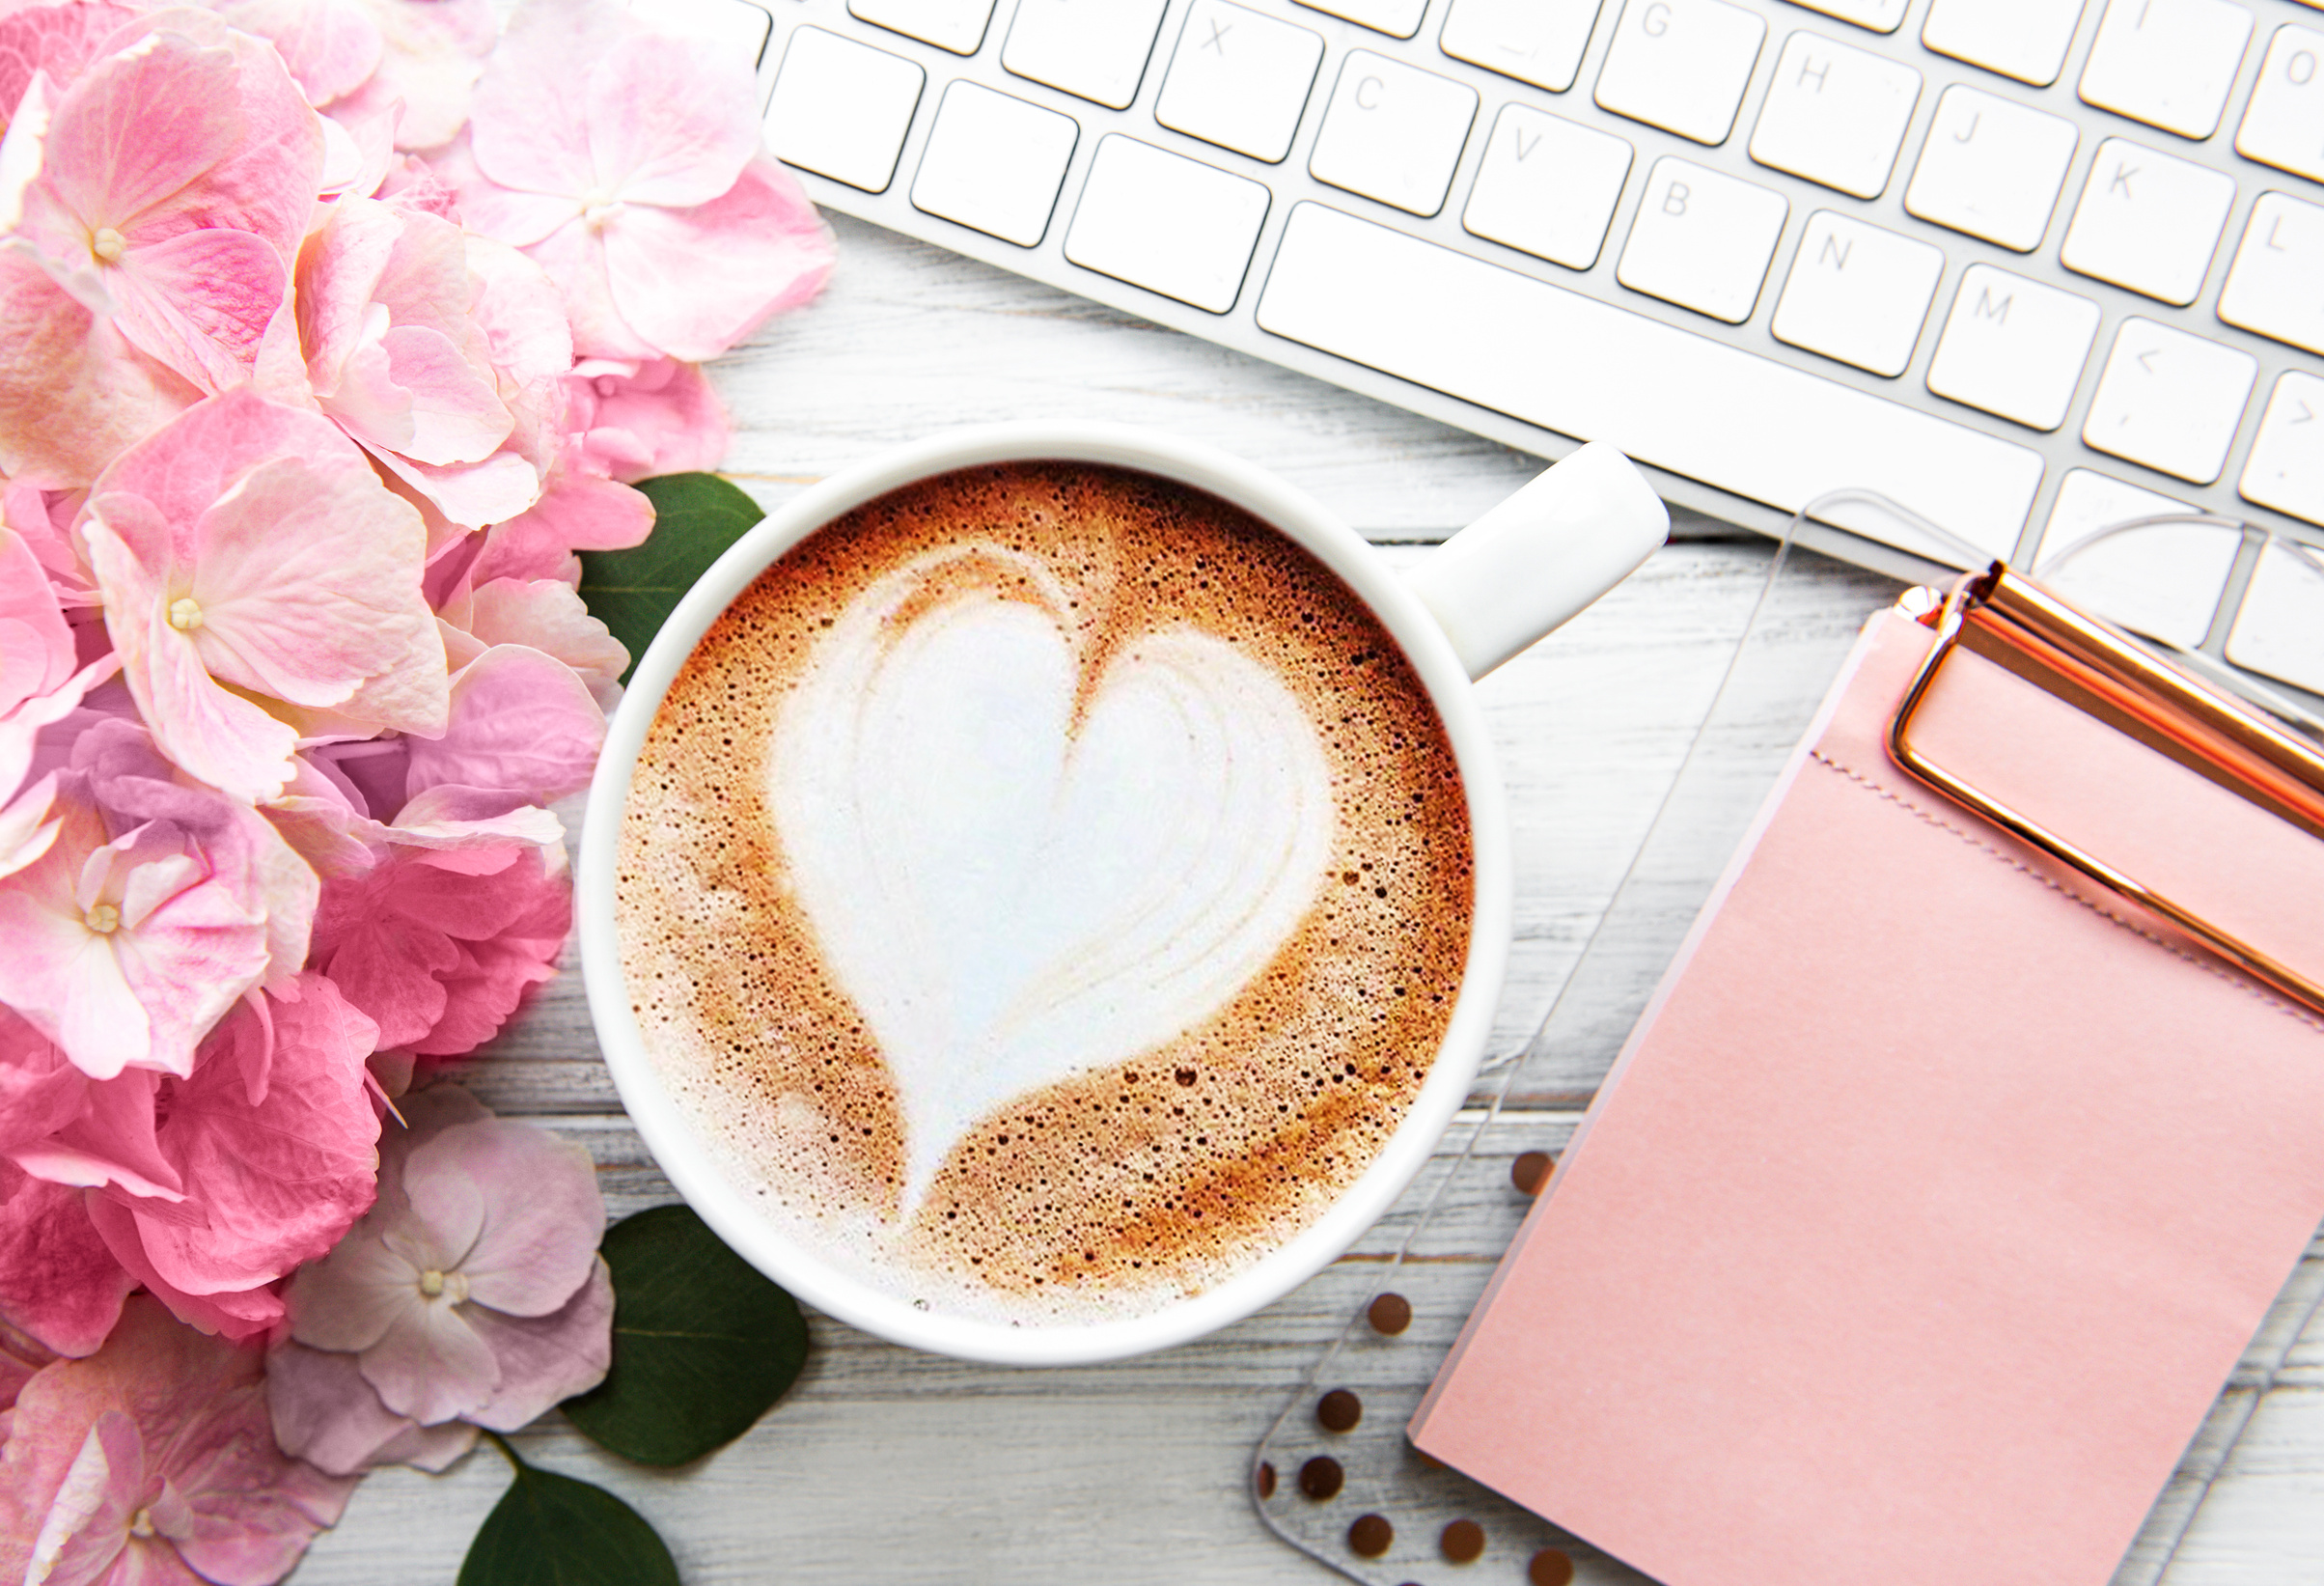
<point>685,1158</point>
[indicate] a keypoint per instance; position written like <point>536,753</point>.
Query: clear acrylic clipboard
<point>1335,1476</point>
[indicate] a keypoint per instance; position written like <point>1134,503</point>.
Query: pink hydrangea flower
<point>326,1415</point>
<point>157,904</point>
<point>627,163</point>
<point>633,421</point>
<point>430,53</point>
<point>543,615</point>
<point>153,209</point>
<point>152,1462</point>
<point>58,39</point>
<point>40,682</point>
<point>437,942</point>
<point>260,583</point>
<point>396,356</point>
<point>474,1289</point>
<point>272,1143</point>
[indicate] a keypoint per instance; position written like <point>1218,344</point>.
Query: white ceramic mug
<point>1496,587</point>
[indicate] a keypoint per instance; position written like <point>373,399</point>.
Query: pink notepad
<point>1935,1195</point>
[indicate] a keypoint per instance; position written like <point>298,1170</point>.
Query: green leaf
<point>550,1530</point>
<point>632,591</point>
<point>702,1344</point>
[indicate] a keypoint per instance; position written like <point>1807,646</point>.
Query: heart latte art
<point>1045,888</point>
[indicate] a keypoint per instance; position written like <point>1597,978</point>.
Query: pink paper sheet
<point>1935,1196</point>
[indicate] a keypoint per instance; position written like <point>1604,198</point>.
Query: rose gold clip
<point>2013,622</point>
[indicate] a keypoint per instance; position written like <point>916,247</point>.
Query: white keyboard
<point>2026,266</point>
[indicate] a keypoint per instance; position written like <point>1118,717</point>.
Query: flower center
<point>104,919</point>
<point>108,244</point>
<point>186,613</point>
<point>599,208</point>
<point>438,1285</point>
<point>141,1523</point>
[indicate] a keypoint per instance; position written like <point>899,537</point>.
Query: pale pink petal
<point>331,46</point>
<point>142,127</point>
<point>520,722</point>
<point>36,644</point>
<point>575,513</point>
<point>672,120</point>
<point>546,1360</point>
<point>472,833</point>
<point>434,50</point>
<point>358,1294</point>
<point>73,393</point>
<point>200,302</point>
<point>25,830</point>
<point>530,114</point>
<point>518,219</point>
<point>326,1415</point>
<point>432,1365</point>
<point>660,418</point>
<point>281,1179</point>
<point>471,494</point>
<point>87,1525</point>
<point>518,312</point>
<point>457,412</point>
<point>548,616</point>
<point>574,256</point>
<point>691,283</point>
<point>59,974</point>
<point>541,1213</point>
<point>56,38</point>
<point>58,1281</point>
<point>338,270</point>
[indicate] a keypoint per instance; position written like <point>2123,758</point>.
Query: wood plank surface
<point>886,1465</point>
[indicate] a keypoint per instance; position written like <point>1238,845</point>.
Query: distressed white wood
<point>883,1465</point>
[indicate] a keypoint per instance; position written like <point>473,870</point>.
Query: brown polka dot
<point>1549,1567</point>
<point>1462,1542</point>
<point>1390,1314</point>
<point>1371,1534</point>
<point>1263,1478</point>
<point>1531,1171</point>
<point>1321,1478</point>
<point>1338,1411</point>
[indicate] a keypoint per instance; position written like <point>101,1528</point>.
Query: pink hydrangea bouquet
<point>330,332</point>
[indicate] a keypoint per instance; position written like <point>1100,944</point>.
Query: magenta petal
<point>58,1281</point>
<point>326,1415</point>
<point>694,282</point>
<point>546,1360</point>
<point>543,1213</point>
<point>112,1141</point>
<point>246,1314</point>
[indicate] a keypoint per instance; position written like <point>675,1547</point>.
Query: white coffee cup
<point>1500,584</point>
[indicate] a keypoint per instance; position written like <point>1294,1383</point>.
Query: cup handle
<point>1576,531</point>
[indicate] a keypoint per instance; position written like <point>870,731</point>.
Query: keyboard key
<point>2170,401</point>
<point>1991,168</point>
<point>1095,52</point>
<point>1702,241</point>
<point>2279,631</point>
<point>2285,124</point>
<point>995,163</point>
<point>1835,115</point>
<point>2167,63</point>
<point>957,25</point>
<point>1239,80</point>
<point>2164,581</point>
<point>1547,186</point>
<point>1585,368</point>
<point>1392,132</point>
<point>1858,293</point>
<point>736,26</point>
<point>1165,223</point>
<point>2272,285</point>
<point>2022,38</point>
<point>1398,19</point>
<point>2147,221</point>
<point>1538,42</point>
<point>1880,15</point>
<point>2286,467</point>
<point>2013,347</point>
<point>841,109</point>
<point>1681,65</point>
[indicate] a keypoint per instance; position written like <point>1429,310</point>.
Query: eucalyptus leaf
<point>703,1343</point>
<point>632,591</point>
<point>552,1530</point>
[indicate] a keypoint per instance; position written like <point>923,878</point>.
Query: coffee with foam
<point>1045,889</point>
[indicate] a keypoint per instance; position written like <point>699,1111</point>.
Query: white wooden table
<point>885,1465</point>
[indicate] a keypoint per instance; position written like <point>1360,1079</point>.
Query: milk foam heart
<point>1024,861</point>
